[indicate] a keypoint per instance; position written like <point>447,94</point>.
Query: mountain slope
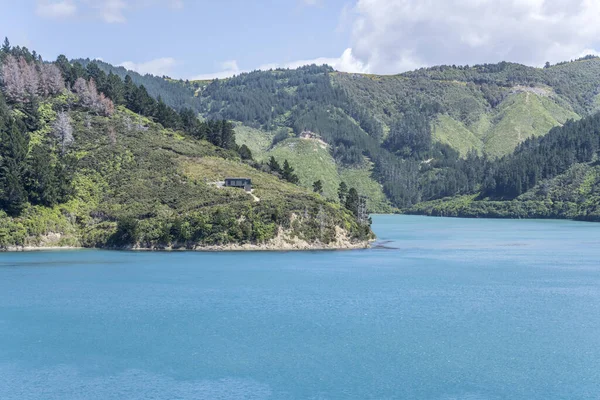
<point>417,128</point>
<point>162,181</point>
<point>78,170</point>
<point>554,176</point>
<point>574,194</point>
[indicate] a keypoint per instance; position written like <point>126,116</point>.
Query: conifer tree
<point>288,173</point>
<point>343,192</point>
<point>274,165</point>
<point>6,46</point>
<point>245,152</point>
<point>41,178</point>
<point>318,187</point>
<point>352,201</point>
<point>13,153</point>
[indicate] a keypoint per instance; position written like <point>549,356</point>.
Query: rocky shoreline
<point>282,242</point>
<point>205,248</point>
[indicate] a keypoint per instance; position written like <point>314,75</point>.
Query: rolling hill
<point>79,168</point>
<point>415,137</point>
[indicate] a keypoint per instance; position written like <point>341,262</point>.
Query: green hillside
<point>312,162</point>
<point>554,176</point>
<point>574,194</point>
<point>522,116</point>
<point>430,133</point>
<point>79,168</point>
<point>258,141</point>
<point>162,181</point>
<point>448,131</point>
<point>361,178</point>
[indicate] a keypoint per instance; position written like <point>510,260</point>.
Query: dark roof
<point>230,179</point>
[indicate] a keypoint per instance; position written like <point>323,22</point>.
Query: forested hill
<point>555,176</point>
<point>90,159</point>
<point>402,140</point>
<point>175,94</point>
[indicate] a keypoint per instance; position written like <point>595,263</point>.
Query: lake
<point>443,309</point>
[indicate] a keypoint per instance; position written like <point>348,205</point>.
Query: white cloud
<point>390,36</point>
<point>55,9</point>
<point>109,11</point>
<point>158,67</point>
<point>346,63</point>
<point>227,69</point>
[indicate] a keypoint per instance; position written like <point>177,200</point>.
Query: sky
<point>205,39</point>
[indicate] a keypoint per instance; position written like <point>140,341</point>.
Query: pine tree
<point>288,173</point>
<point>227,135</point>
<point>343,192</point>
<point>318,187</point>
<point>6,46</point>
<point>115,89</point>
<point>352,201</point>
<point>41,177</point>
<point>245,153</point>
<point>274,165</point>
<point>13,153</point>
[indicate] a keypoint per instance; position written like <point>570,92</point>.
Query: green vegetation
<point>361,179</point>
<point>311,161</point>
<point>454,134</point>
<point>258,141</point>
<point>482,136</point>
<point>81,168</point>
<point>520,117</point>
<point>423,130</point>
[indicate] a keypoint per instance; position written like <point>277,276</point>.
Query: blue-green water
<point>460,309</point>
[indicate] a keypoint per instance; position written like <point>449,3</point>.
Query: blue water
<point>452,309</point>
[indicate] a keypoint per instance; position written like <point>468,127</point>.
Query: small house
<point>242,183</point>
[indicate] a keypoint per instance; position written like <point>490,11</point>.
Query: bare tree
<point>63,130</point>
<point>90,98</point>
<point>23,80</point>
<point>12,79</point>
<point>81,88</point>
<point>106,106</point>
<point>30,77</point>
<point>52,79</point>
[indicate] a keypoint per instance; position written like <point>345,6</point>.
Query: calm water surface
<point>450,309</point>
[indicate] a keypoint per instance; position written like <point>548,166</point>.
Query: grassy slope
<point>361,180</point>
<point>311,161</point>
<point>521,116</point>
<point>162,179</point>
<point>448,131</point>
<point>258,141</point>
<point>469,122</point>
